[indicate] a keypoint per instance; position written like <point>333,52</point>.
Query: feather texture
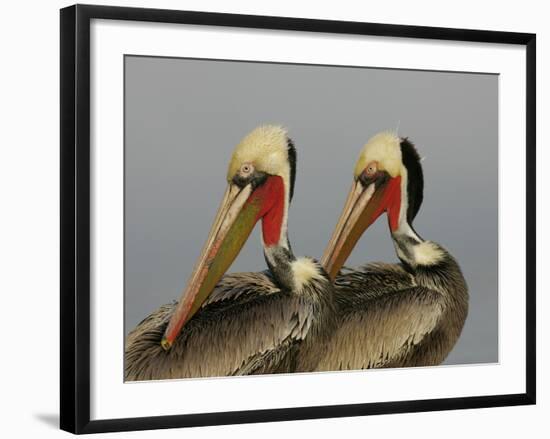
<point>247,326</point>
<point>390,316</point>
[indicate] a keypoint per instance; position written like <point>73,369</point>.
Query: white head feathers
<point>384,148</point>
<point>266,147</point>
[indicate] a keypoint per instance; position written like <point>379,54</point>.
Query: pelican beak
<point>234,221</point>
<point>366,201</point>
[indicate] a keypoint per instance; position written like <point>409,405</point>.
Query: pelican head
<point>387,178</point>
<point>260,182</point>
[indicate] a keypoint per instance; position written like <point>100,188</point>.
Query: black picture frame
<point>75,217</point>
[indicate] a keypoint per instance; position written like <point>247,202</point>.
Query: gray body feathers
<point>392,316</point>
<point>248,325</point>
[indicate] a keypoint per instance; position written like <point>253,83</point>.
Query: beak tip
<point>166,344</point>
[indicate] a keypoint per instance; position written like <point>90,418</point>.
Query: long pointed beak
<point>232,226</point>
<point>343,238</point>
<point>363,206</point>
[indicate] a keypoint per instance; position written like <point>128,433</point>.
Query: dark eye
<point>371,169</point>
<point>247,168</point>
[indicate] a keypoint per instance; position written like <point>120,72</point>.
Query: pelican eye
<point>247,169</point>
<point>371,169</point>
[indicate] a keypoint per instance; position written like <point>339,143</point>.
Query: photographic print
<point>311,289</point>
<point>305,218</point>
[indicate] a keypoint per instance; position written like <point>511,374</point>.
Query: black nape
<point>415,183</point>
<point>292,162</point>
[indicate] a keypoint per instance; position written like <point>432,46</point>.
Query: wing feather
<point>384,330</point>
<point>248,325</point>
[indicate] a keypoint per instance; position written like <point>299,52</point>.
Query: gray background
<point>184,117</point>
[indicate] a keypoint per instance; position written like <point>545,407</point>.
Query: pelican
<point>243,323</point>
<point>391,315</point>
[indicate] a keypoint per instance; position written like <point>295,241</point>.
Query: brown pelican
<point>244,323</point>
<point>392,315</point>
